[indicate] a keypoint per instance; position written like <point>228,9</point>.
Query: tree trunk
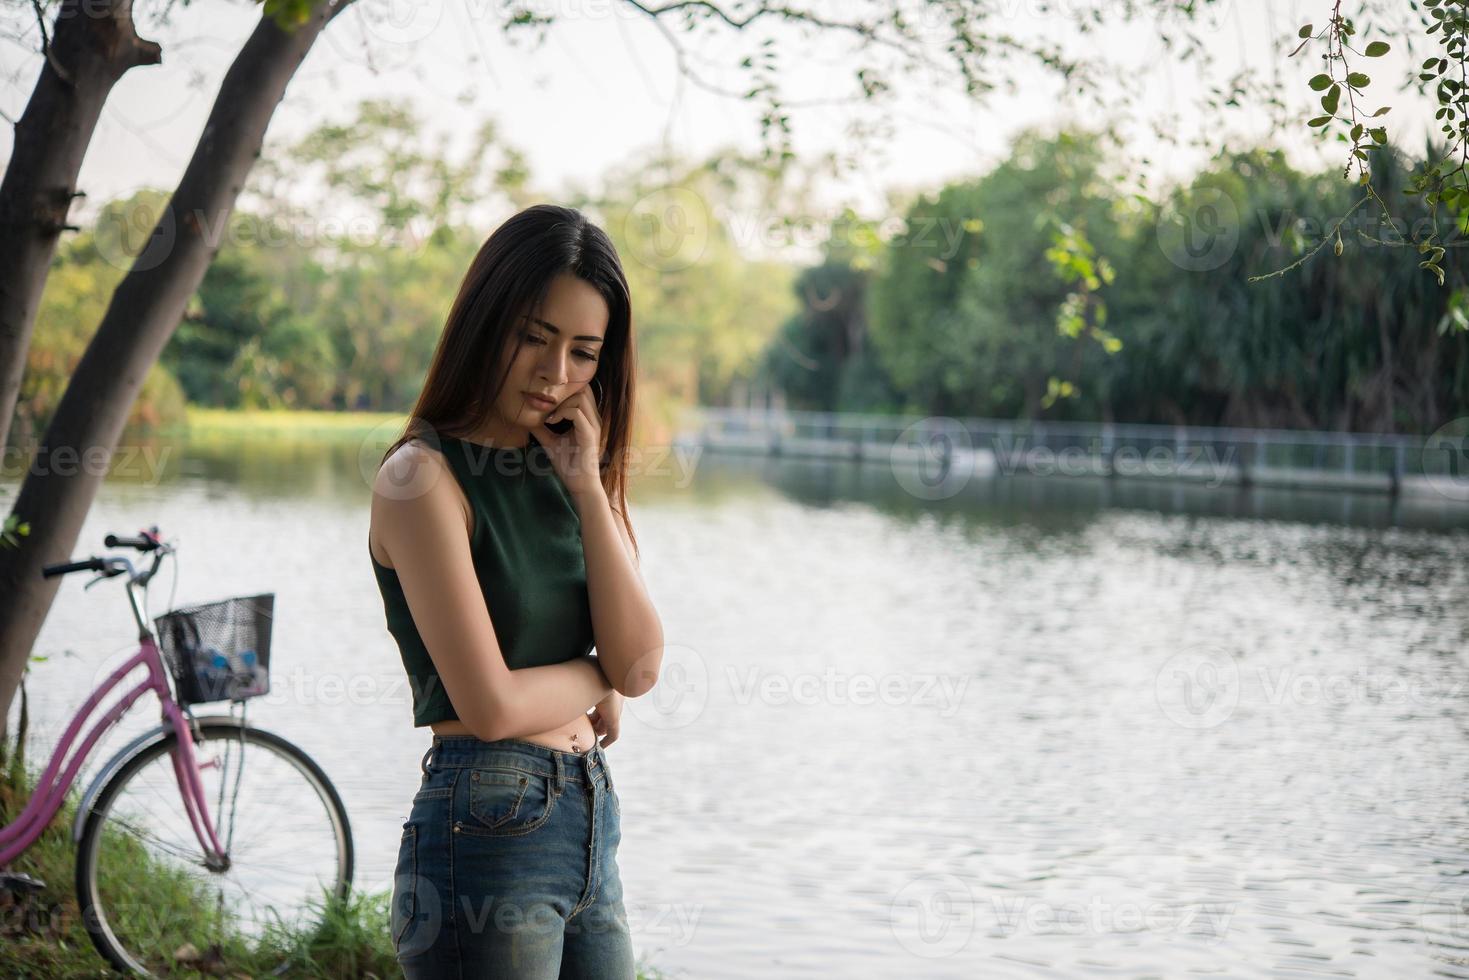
<point>92,45</point>
<point>63,478</point>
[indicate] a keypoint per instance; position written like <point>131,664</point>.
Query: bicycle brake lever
<point>114,567</point>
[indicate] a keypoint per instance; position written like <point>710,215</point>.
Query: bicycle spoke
<point>191,856</point>
<point>286,846</point>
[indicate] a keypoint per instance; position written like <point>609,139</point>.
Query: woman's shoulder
<point>408,457</point>
<point>413,474</point>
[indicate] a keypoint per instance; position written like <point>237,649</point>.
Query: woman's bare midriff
<point>557,738</point>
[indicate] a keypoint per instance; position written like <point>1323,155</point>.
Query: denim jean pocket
<point>405,885</point>
<point>505,802</point>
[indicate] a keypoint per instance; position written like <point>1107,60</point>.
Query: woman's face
<point>554,353</point>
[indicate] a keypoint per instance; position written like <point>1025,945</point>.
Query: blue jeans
<point>508,866</point>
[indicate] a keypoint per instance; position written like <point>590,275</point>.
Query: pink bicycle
<point>205,843</point>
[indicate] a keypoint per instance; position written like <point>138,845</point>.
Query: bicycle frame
<point>17,836</point>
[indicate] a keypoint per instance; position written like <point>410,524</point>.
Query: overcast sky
<point>605,88</point>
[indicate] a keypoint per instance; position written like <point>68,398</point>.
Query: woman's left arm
<point>629,636</point>
<point>628,631</point>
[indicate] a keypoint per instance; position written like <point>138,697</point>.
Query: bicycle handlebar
<point>148,540</point>
<point>91,564</point>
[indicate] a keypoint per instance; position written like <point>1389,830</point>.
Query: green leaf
<point>1377,49</point>
<point>1331,99</point>
<point>1320,83</point>
<point>1382,112</point>
<point>1380,135</point>
<point>1305,31</point>
<point>1358,80</point>
<point>1319,121</point>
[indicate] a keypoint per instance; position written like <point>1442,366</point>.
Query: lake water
<point>1040,728</point>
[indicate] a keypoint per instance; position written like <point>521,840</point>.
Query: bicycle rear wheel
<point>147,899</point>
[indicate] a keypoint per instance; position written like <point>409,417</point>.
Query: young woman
<point>504,553</point>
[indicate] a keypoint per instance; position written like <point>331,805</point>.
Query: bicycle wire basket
<point>218,651</point>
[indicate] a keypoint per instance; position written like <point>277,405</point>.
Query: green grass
<point>44,938</point>
<point>207,422</point>
<point>41,936</point>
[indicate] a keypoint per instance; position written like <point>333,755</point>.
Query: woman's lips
<point>538,402</point>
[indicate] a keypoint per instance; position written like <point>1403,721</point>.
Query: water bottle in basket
<point>237,674</point>
<point>220,650</point>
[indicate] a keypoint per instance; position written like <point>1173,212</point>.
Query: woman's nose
<point>553,368</point>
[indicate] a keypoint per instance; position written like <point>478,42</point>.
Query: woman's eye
<point>584,355</point>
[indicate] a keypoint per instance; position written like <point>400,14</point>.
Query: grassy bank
<point>206,422</point>
<point>42,937</point>
<point>653,428</point>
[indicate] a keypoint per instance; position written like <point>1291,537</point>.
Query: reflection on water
<point>1045,727</point>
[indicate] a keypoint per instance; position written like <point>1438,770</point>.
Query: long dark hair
<point>511,276</point>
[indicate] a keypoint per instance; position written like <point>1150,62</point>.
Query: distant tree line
<point>1037,290</point>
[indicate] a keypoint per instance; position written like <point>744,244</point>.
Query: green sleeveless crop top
<point>527,551</point>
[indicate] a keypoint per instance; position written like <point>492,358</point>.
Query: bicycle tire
<point>126,953</point>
